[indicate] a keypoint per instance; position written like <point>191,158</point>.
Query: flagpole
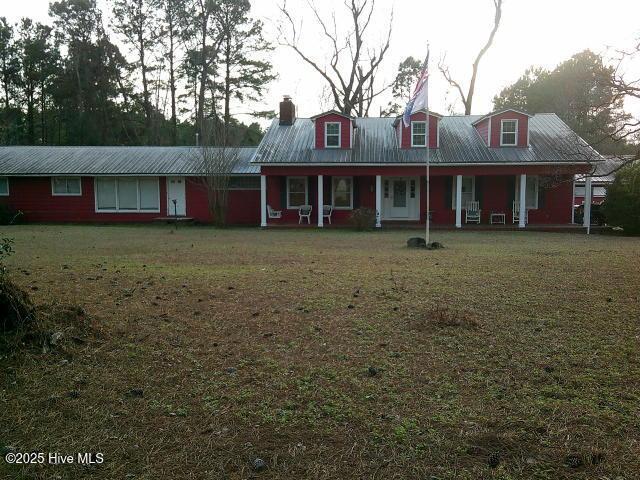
<point>427,136</point>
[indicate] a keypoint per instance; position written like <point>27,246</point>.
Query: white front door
<point>176,199</point>
<point>401,198</point>
<point>399,192</point>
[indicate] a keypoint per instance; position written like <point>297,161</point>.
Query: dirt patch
<point>443,317</point>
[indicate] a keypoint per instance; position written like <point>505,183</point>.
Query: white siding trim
<point>515,144</point>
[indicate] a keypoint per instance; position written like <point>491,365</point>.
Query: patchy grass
<point>330,354</point>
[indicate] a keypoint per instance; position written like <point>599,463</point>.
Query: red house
<point>504,167</point>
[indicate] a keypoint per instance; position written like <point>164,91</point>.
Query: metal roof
<point>605,172</point>
<point>112,161</point>
<point>375,142</point>
<point>498,112</point>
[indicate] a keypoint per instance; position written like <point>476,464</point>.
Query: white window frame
<point>333,191</point>
<point>425,134</point>
<point>117,209</point>
<point>531,180</point>
<point>326,134</point>
<point>6,179</point>
<point>53,190</point>
<point>306,192</point>
<point>455,189</point>
<point>502,132</point>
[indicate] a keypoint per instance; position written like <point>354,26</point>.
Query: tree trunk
<point>227,90</point>
<point>172,83</point>
<point>145,82</point>
<point>204,73</point>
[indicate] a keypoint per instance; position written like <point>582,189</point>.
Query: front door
<point>176,201</point>
<point>399,198</point>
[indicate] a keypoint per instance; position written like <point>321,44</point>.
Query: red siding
<point>483,130</point>
<point>243,206</point>
<point>32,195</point>
<point>345,129</point>
<point>523,122</point>
<point>433,130</point>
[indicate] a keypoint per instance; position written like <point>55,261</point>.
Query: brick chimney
<point>287,111</point>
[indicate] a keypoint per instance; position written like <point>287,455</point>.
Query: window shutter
<point>479,191</point>
<point>448,189</point>
<point>283,193</point>
<point>312,191</point>
<point>328,186</point>
<point>511,191</point>
<point>541,193</point>
<point>356,192</point>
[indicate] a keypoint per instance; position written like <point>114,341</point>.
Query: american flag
<point>419,99</point>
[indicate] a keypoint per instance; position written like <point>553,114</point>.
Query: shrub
<point>363,218</point>
<point>6,250</point>
<point>9,216</point>
<point>622,207</point>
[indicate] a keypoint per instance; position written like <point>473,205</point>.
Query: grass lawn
<point>329,354</point>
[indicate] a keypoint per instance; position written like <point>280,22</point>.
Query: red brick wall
<point>345,129</point>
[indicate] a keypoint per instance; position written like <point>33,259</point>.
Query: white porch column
<point>459,201</point>
<point>378,200</point>
<point>573,201</point>
<point>263,200</point>
<point>587,203</point>
<point>523,201</point>
<point>320,200</point>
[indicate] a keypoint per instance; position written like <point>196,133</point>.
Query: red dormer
<point>333,130</point>
<point>413,136</point>
<point>505,128</point>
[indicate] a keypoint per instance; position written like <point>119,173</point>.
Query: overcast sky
<point>533,32</point>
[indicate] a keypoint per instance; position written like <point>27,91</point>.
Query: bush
<point>9,216</point>
<point>363,218</point>
<point>622,207</point>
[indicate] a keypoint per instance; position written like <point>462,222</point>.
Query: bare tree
<point>467,99</point>
<point>216,160</point>
<point>350,72</point>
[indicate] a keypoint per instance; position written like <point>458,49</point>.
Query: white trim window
<point>342,193</point>
<point>4,186</point>
<point>531,196</point>
<point>297,193</point>
<point>508,133</point>
<point>468,191</point>
<point>418,134</point>
<point>332,134</point>
<point>127,194</point>
<point>66,186</point>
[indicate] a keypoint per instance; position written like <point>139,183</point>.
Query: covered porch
<point>509,196</point>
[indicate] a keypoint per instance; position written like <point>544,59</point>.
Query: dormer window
<point>418,134</point>
<point>509,133</point>
<point>332,135</point>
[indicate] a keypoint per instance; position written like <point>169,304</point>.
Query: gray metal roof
<point>605,172</point>
<point>112,161</point>
<point>375,142</point>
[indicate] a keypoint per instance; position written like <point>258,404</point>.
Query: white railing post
<point>459,201</point>
<point>320,201</point>
<point>587,204</point>
<point>378,200</point>
<point>523,201</point>
<point>263,200</point>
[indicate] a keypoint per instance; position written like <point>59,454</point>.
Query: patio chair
<point>472,212</point>
<point>516,213</point>
<point>305,212</point>
<point>327,210</point>
<point>273,213</point>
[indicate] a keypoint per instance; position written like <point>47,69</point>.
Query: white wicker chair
<point>273,213</point>
<point>472,212</point>
<point>516,213</point>
<point>327,210</point>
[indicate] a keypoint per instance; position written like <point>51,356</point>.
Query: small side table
<point>497,218</point>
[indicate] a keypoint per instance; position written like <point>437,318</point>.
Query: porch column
<point>320,201</point>
<point>459,201</point>
<point>587,204</point>
<point>263,200</point>
<point>523,201</point>
<point>378,200</point>
<point>573,200</point>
